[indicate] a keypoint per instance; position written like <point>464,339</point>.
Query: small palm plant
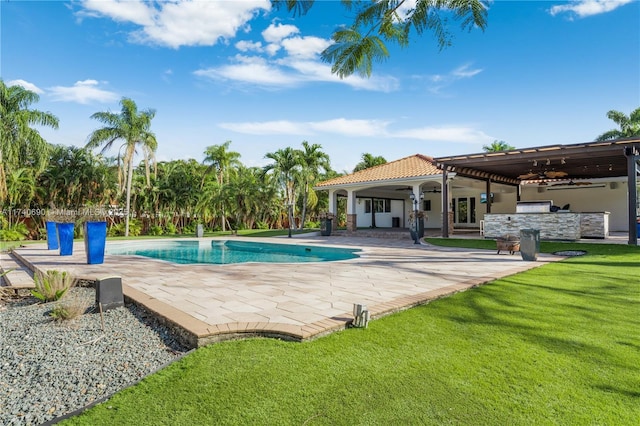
<point>52,285</point>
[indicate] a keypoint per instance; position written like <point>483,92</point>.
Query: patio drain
<point>570,253</point>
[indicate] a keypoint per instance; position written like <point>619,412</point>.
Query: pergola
<point>607,159</point>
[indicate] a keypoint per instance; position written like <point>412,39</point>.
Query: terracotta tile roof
<point>409,167</point>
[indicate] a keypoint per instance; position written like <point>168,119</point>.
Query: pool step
<point>19,276</point>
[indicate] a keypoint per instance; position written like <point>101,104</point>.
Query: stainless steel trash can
<point>529,244</point>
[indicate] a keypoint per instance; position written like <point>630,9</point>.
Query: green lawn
<point>559,344</point>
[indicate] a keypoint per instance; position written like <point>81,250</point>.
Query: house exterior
<point>459,192</point>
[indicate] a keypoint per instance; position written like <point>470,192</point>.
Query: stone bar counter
<point>566,226</point>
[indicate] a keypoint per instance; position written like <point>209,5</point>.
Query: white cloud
<point>348,127</point>
<point>250,69</point>
<point>441,81</point>
<point>276,32</point>
<point>445,134</point>
<point>175,24</point>
<point>82,92</point>
<point>289,72</point>
<point>27,85</point>
<point>246,46</point>
<point>305,47</point>
<point>281,127</point>
<point>138,13</point>
<point>360,128</point>
<point>584,8</point>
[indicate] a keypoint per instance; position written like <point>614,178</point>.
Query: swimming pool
<point>226,252</point>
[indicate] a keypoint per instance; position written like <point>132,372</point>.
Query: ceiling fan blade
<point>554,174</point>
<point>528,176</point>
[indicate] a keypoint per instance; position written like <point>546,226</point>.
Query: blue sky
<point>543,72</point>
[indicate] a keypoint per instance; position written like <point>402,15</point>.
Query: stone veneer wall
<point>352,223</point>
<point>594,225</point>
<point>552,226</point>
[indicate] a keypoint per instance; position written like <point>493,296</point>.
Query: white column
<point>333,201</point>
<point>351,202</point>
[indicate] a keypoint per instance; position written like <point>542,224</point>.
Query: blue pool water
<point>225,252</point>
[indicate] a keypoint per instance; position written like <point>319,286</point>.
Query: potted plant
<point>326,223</point>
<point>95,234</point>
<point>52,231</point>
<point>65,224</point>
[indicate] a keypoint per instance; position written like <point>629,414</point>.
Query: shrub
<point>117,230</point>
<point>52,285</point>
<point>262,225</point>
<point>170,228</point>
<point>312,224</point>
<point>72,307</point>
<point>156,230</point>
<point>17,232</point>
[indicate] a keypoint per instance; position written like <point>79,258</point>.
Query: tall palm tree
<point>312,161</point>
<point>20,144</point>
<point>369,160</point>
<point>497,146</point>
<point>222,160</point>
<point>285,166</point>
<point>629,126</point>
<point>135,129</point>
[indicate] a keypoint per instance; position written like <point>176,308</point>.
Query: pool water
<point>226,252</point>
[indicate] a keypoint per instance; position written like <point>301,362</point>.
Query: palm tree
<point>20,144</point>
<point>312,160</point>
<point>497,146</point>
<point>377,23</point>
<point>21,186</point>
<point>285,167</point>
<point>629,126</point>
<point>368,161</point>
<point>135,129</point>
<point>221,159</point>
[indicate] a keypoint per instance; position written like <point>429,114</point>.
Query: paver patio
<point>296,301</point>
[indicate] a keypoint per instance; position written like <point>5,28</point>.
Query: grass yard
<point>559,344</point>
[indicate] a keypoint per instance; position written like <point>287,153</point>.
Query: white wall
<point>383,219</point>
<point>611,198</point>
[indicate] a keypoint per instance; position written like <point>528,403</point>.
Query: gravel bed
<point>50,368</point>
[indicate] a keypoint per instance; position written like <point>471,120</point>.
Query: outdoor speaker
<point>109,293</point>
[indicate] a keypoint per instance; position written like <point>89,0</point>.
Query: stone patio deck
<point>300,301</point>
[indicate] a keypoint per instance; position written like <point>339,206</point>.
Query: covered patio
<point>553,167</point>
<point>457,192</point>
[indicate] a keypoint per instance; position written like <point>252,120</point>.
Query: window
<point>367,206</point>
<point>426,205</point>
<point>382,205</point>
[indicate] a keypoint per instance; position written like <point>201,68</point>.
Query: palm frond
<point>353,53</point>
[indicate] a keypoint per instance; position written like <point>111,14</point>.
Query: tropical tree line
<point>152,197</point>
<point>161,197</point>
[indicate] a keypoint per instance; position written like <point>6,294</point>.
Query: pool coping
<point>197,333</point>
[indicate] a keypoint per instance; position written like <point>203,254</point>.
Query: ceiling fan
<point>433,191</point>
<point>551,174</point>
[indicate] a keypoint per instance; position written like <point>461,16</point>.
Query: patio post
<point>632,154</point>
